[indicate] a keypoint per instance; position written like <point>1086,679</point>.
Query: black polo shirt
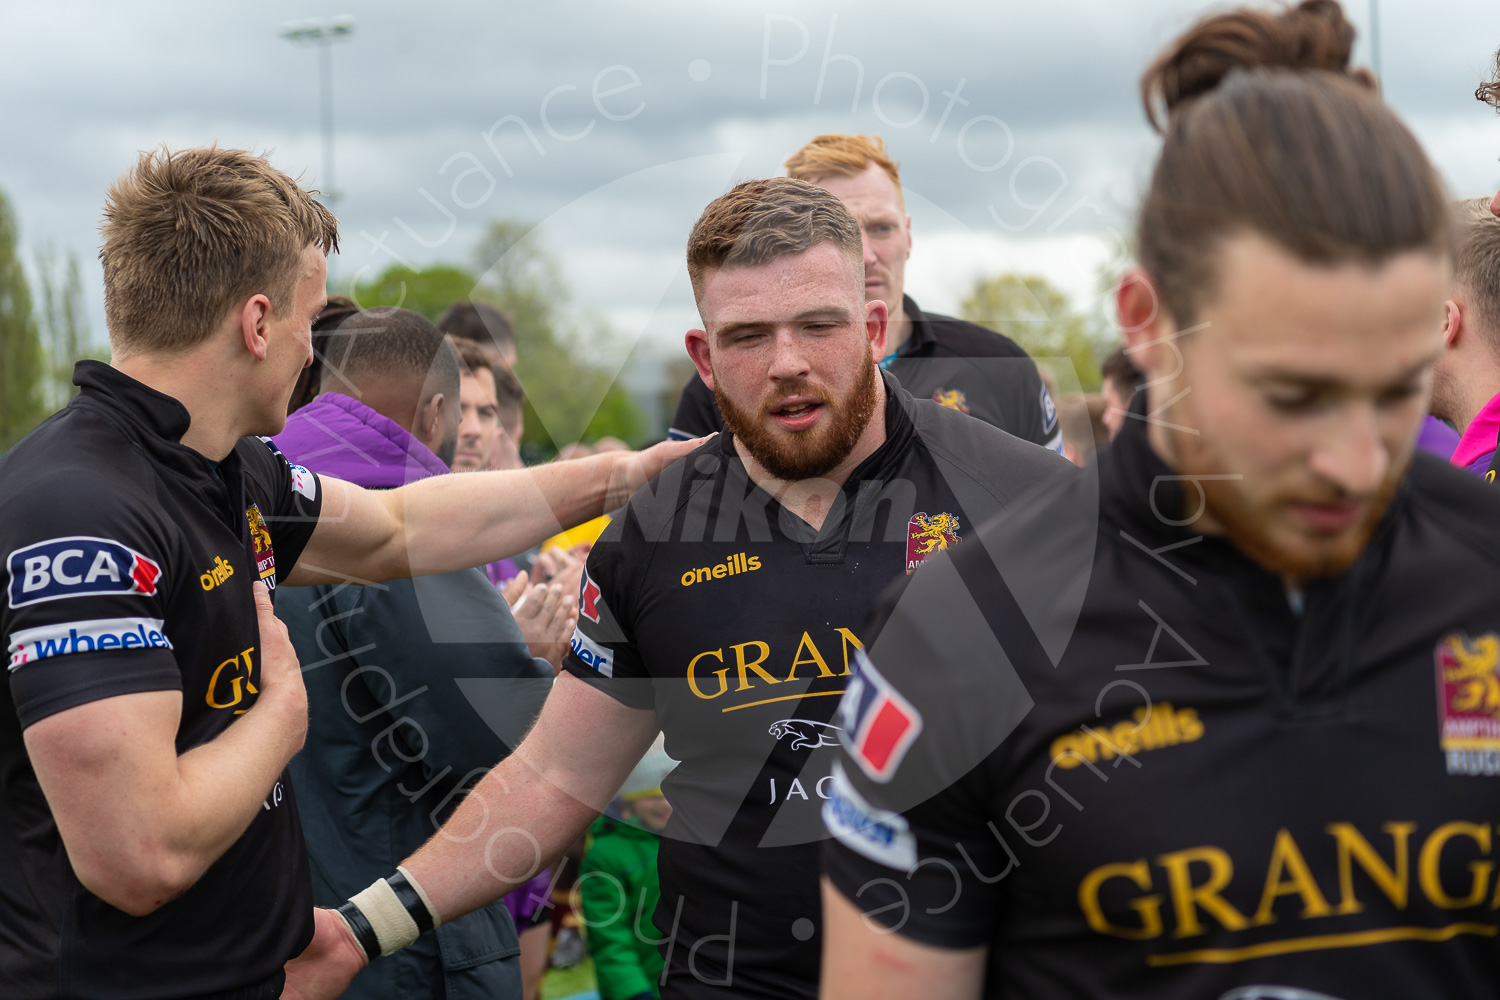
<point>737,623</point>
<point>953,362</point>
<point>1132,764</point>
<point>128,564</point>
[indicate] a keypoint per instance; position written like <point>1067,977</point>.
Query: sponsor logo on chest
<point>733,566</point>
<point>79,566</point>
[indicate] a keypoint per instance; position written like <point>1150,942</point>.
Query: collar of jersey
<point>920,334</point>
<point>137,402</point>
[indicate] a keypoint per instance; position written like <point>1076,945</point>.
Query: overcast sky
<point>611,125</point>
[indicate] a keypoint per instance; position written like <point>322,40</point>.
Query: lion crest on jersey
<point>260,543</point>
<point>929,533</point>
<point>1468,690</point>
<point>953,399</point>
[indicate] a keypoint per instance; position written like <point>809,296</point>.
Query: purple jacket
<point>337,435</point>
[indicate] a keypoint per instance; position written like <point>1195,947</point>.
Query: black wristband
<point>413,903</point>
<point>360,925</point>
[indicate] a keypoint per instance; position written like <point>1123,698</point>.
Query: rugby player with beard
<point>1240,738</point>
<point>723,607</point>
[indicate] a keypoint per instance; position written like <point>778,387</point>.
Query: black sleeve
<point>921,761</point>
<point>604,653</point>
<point>697,412</point>
<point>289,496</point>
<point>86,576</point>
<point>1029,411</point>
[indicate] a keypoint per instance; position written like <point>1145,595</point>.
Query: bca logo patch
<point>79,566</point>
<point>588,598</point>
<point>1049,412</point>
<point>879,725</point>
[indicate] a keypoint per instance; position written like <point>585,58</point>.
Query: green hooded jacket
<point>617,909</point>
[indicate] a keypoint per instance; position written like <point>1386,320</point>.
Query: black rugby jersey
<point>709,603</point>
<point>1200,785</point>
<point>128,564</point>
<point>953,362</point>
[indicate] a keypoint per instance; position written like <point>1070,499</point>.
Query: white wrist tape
<point>411,880</point>
<point>394,927</point>
<point>394,924</point>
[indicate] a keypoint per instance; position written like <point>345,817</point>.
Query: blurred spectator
<point>1121,378</point>
<point>479,412</point>
<point>335,312</point>
<point>619,887</point>
<point>395,737</point>
<point>1466,381</point>
<point>1083,429</point>
<point>483,324</point>
<point>510,401</point>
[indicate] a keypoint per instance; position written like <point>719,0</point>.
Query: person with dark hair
<point>1466,382</point>
<point>338,309</point>
<point>1118,386</point>
<point>396,733</point>
<point>149,834</point>
<point>483,324</point>
<point>718,608</point>
<point>955,363</point>
<point>1235,738</point>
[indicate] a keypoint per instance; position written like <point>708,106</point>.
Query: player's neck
<point>202,382</point>
<point>811,499</point>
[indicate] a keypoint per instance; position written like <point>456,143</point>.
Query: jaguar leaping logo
<point>807,733</point>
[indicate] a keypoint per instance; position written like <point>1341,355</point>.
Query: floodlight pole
<point>323,32</point>
<point>1375,42</point>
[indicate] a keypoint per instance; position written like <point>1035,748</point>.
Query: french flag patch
<point>879,725</point>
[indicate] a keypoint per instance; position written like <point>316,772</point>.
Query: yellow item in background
<point>588,531</point>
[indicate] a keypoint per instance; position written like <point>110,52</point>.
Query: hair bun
<point>1314,35</point>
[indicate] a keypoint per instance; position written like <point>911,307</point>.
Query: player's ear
<point>255,320</point>
<point>1453,324</point>
<point>697,348</point>
<point>1143,322</point>
<point>876,314</point>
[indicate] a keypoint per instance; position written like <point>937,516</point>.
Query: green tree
<point>1041,318</point>
<point>23,363</point>
<point>570,395</point>
<point>64,327</point>
<point>427,291</point>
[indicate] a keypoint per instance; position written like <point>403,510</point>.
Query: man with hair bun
<point>1239,739</point>
<point>953,362</point>
<point>720,607</point>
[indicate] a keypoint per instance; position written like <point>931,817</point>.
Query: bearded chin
<point>804,454</point>
<point>1251,528</point>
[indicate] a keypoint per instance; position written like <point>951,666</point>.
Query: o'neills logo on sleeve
<point>929,533</point>
<point>260,543</point>
<point>1468,693</point>
<point>733,566</point>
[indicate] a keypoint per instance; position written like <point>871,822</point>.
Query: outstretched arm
<point>519,818</point>
<point>448,523</point>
